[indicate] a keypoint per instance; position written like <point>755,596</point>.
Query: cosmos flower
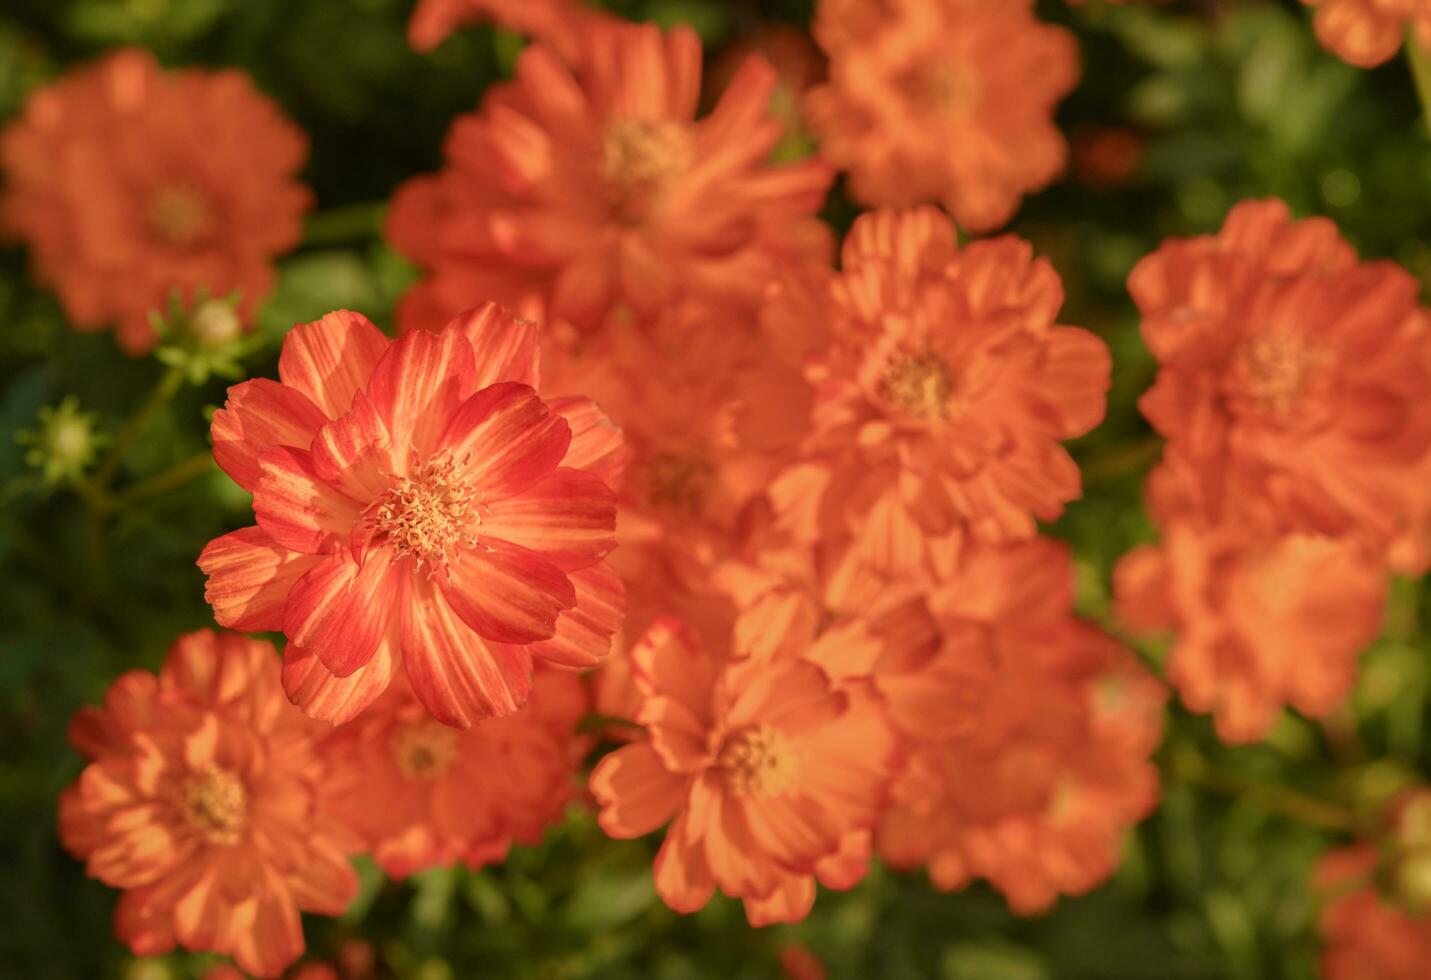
<point>204,803</point>
<point>587,185</point>
<point>422,794</point>
<point>1291,383</point>
<point>130,183</point>
<point>1042,764</point>
<point>557,22</point>
<point>417,503</point>
<point>1366,33</point>
<point>1375,923</point>
<point>947,101</point>
<point>1260,623</point>
<point>942,397</point>
<point>769,774</point>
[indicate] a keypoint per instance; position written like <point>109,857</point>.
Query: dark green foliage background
<point>1234,99</point>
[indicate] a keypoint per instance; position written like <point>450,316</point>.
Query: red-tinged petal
<point>340,610</point>
<point>791,901</point>
<point>249,578</point>
<point>683,878</point>
<point>504,345</point>
<point>1073,380</point>
<point>268,932</point>
<point>636,792</point>
<point>354,453</point>
<point>459,677</point>
<point>416,387</point>
<point>678,736</point>
<point>794,831</point>
<point>330,360</point>
<point>508,594</point>
<point>508,438</point>
<point>569,518</point>
<point>299,509</point>
<point>597,444</point>
<point>583,633</point>
<point>846,867</point>
<point>143,921</point>
<point>321,695</point>
<point>326,883</point>
<point>259,414</point>
<point>668,662</point>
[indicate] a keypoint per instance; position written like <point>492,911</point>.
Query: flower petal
<point>597,444</point>
<point>504,345</point>
<point>416,387</point>
<point>509,438</point>
<point>299,509</point>
<point>330,360</point>
<point>249,578</point>
<point>583,633</point>
<point>683,878</point>
<point>354,453</point>
<point>340,610</point>
<point>320,694</point>
<point>569,518</point>
<point>508,594</point>
<point>459,677</point>
<point>636,792</point>
<point>259,414</point>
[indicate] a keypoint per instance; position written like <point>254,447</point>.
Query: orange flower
<point>308,971</point>
<point>1260,623</point>
<point>587,186</point>
<point>1376,920</point>
<point>770,774</point>
<point>421,794</point>
<point>203,804</point>
<point>942,100</point>
<point>1366,33</point>
<point>942,399</point>
<point>1031,774</point>
<point>1292,380</point>
<point>129,183</point>
<point>417,500</point>
<point>554,21</point>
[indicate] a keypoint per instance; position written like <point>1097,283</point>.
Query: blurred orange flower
<point>421,794</point>
<point>1292,382</point>
<point>943,100</point>
<point>1260,623</point>
<point>587,185</point>
<point>129,183</point>
<point>770,773</point>
<point>417,500</point>
<point>1366,33</point>
<point>203,802</point>
<point>942,398</point>
<point>554,21</point>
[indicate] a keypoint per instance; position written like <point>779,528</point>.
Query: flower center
<point>215,804</point>
<point>429,514</point>
<point>424,750</point>
<point>677,480</point>
<point>638,157</point>
<point>918,385</point>
<point>940,85</point>
<point>179,215</point>
<point>760,762</point>
<point>1275,369</point>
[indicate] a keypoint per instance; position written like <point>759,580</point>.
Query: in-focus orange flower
<point>204,803</point>
<point>421,794</point>
<point>1031,777</point>
<point>942,100</point>
<point>587,185</point>
<point>1260,623</point>
<point>1292,382</point>
<point>417,502</point>
<point>942,398</point>
<point>1366,33</point>
<point>129,183</point>
<point>770,774</point>
<point>1376,920</point>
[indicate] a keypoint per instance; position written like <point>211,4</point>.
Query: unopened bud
<point>215,323</point>
<point>65,443</point>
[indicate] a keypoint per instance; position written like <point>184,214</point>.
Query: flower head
<point>770,774</point>
<point>65,444</point>
<point>204,803</point>
<point>1261,623</point>
<point>1291,380</point>
<point>587,185</point>
<point>131,184</point>
<point>422,794</point>
<point>1366,33</point>
<point>942,100</point>
<point>941,398</point>
<point>417,503</point>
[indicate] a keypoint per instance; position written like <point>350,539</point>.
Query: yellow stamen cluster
<point>424,749</point>
<point>918,385</point>
<point>215,804</point>
<point>429,514</point>
<point>179,215</point>
<point>677,480</point>
<point>759,762</point>
<point>1275,369</point>
<point>639,156</point>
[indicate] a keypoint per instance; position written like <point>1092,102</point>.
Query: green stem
<point>596,722</point>
<point>1420,63</point>
<point>349,223</point>
<point>1189,766</point>
<point>166,389</point>
<point>175,476</point>
<point>1119,461</point>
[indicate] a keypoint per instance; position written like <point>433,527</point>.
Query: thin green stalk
<point>1190,767</point>
<point>1420,63</point>
<point>175,476</point>
<point>349,223</point>
<point>166,389</point>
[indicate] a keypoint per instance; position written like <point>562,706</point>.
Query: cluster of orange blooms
<point>831,629</point>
